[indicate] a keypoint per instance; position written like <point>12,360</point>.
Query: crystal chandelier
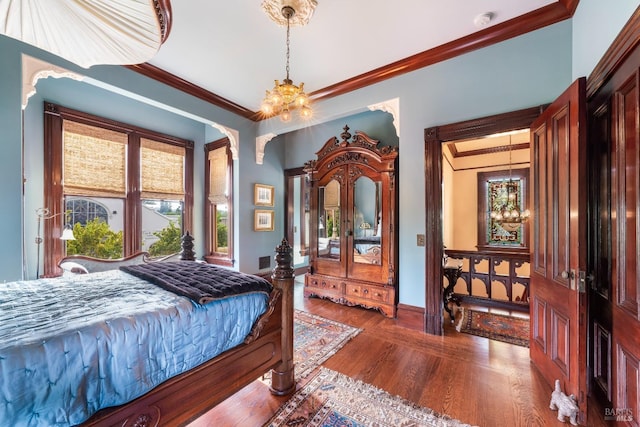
<point>508,215</point>
<point>286,95</point>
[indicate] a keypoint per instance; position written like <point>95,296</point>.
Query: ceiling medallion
<point>304,11</point>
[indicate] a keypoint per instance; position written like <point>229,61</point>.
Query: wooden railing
<point>491,278</point>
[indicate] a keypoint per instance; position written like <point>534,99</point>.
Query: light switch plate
<point>420,239</point>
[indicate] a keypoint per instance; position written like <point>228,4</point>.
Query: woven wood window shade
<point>218,176</point>
<point>332,195</point>
<point>162,170</point>
<point>94,161</point>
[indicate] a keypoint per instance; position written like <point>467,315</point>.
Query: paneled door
<point>614,299</point>
<point>558,259</point>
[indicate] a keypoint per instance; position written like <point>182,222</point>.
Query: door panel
<point>558,167</point>
<point>625,206</point>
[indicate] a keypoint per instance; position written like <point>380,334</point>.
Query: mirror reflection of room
<point>329,221</point>
<point>367,219</point>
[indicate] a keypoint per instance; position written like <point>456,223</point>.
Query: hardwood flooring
<point>473,379</point>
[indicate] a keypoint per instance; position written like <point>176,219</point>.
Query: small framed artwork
<point>263,195</point>
<point>263,220</point>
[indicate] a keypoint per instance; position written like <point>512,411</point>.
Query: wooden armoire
<point>353,223</point>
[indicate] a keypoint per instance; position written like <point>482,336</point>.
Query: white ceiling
<point>233,50</point>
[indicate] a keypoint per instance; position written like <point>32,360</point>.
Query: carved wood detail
<point>349,276</point>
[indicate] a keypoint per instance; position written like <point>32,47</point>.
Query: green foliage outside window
<point>170,241</point>
<point>222,232</point>
<point>95,239</point>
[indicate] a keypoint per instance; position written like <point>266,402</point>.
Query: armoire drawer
<point>373,293</point>
<point>325,283</point>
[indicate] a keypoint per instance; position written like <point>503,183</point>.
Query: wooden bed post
<point>282,376</point>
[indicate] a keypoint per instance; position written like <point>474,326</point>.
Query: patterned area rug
<point>315,339</point>
<point>331,399</point>
<point>514,330</point>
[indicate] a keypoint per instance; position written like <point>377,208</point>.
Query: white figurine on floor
<point>566,405</point>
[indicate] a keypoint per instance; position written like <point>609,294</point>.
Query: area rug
<point>331,399</point>
<point>499,327</point>
<point>315,339</point>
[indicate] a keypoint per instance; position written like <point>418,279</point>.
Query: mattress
<point>71,346</point>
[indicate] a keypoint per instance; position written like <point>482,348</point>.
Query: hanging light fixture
<point>509,215</point>
<point>286,95</point>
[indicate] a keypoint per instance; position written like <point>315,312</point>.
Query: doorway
<point>434,244</point>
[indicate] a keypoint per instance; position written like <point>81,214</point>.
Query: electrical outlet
<point>420,239</point>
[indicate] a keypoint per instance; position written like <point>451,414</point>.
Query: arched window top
<point>85,210</point>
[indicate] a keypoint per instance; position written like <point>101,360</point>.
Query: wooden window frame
<point>211,256</point>
<point>54,116</point>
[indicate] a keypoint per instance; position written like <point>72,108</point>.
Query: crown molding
<point>176,82</point>
<point>540,18</point>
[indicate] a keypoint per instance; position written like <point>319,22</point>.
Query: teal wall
<point>596,24</point>
<point>526,71</point>
<point>522,72</point>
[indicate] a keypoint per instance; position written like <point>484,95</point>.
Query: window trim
<point>211,256</point>
<point>54,116</point>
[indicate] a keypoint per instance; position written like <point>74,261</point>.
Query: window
<point>219,203</point>
<point>82,211</point>
<point>125,189</point>
<point>492,195</point>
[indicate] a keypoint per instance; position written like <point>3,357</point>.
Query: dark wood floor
<point>476,380</point>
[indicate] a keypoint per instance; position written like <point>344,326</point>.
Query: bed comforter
<point>71,346</point>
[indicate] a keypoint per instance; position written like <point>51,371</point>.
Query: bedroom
<point>547,60</point>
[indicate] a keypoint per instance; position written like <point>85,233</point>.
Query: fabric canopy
<point>86,32</point>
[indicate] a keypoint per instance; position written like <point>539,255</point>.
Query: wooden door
<point>614,299</point>
<point>558,259</point>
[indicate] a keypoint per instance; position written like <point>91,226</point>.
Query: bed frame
<point>183,398</point>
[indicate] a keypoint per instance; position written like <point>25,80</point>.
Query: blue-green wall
<point>596,24</point>
<point>523,72</point>
<point>526,71</point>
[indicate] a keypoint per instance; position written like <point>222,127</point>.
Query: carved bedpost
<point>282,377</point>
<point>187,253</point>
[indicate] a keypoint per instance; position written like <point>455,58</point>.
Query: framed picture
<point>263,195</point>
<point>263,220</point>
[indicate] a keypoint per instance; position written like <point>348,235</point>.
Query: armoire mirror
<point>329,227</point>
<point>367,216</point>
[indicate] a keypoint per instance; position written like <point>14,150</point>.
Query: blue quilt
<point>71,346</point>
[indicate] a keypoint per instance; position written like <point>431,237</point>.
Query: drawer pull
<point>366,291</point>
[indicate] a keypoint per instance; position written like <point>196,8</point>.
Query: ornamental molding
<point>261,142</point>
<point>35,69</point>
<point>304,11</point>
<point>234,137</point>
<point>391,106</point>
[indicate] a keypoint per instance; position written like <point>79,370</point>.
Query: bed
<point>111,348</point>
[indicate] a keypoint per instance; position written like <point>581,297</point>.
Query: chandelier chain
<point>287,67</point>
<point>286,95</point>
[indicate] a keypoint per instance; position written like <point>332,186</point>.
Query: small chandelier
<point>286,95</point>
<point>509,216</point>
